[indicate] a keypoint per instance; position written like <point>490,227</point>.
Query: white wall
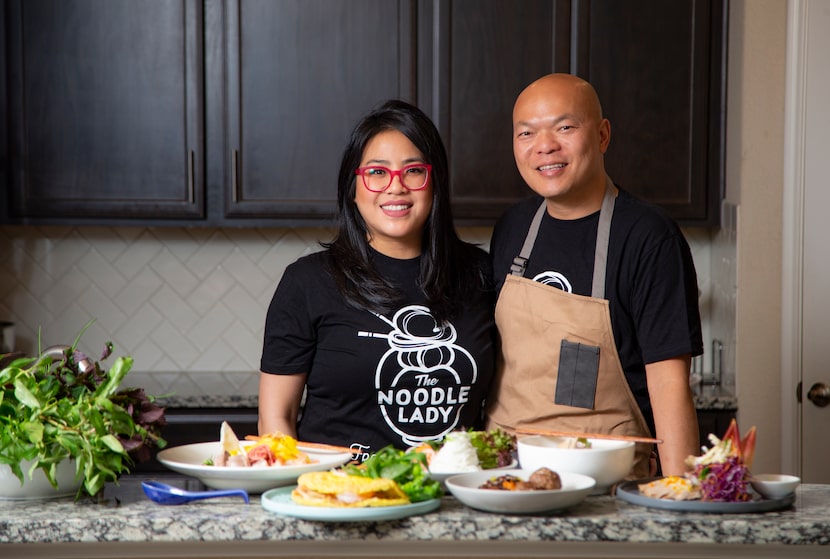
<point>755,165</point>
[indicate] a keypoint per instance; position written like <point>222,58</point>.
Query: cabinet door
<point>105,103</point>
<point>477,56</point>
<point>662,87</point>
<point>300,73</point>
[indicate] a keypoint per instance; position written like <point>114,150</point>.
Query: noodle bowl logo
<point>424,379</point>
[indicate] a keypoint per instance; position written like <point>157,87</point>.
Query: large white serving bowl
<point>38,487</point>
<point>190,460</point>
<point>607,461</point>
<point>465,488</point>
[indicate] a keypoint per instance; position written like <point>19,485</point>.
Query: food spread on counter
<point>543,479</point>
<point>338,489</point>
<point>452,454</point>
<point>457,455</point>
<point>720,474</point>
<point>269,450</point>
<point>406,468</point>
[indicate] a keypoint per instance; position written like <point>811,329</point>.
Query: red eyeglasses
<point>378,178</point>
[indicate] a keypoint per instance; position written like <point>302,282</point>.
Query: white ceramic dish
<point>190,460</point>
<point>38,487</point>
<point>442,476</point>
<point>607,461</point>
<point>465,488</point>
<point>279,501</point>
<point>774,486</point>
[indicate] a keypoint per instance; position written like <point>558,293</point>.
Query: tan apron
<point>558,366</point>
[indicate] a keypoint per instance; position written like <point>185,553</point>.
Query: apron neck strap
<point>606,212</point>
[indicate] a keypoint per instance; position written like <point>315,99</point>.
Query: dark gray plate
<point>630,493</point>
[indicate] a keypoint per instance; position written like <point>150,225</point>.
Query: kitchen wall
<point>189,304</point>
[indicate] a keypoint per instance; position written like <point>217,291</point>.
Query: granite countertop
<point>125,515</point>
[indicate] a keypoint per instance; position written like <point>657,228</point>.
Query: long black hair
<point>450,272</point>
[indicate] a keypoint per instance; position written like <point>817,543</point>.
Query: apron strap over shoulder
<point>600,252</point>
<point>603,237</point>
<point>520,262</point>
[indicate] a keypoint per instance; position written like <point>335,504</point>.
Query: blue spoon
<point>169,495</point>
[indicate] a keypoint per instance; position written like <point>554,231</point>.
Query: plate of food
<point>520,491</point>
<point>280,501</point>
<point>635,493</point>
<point>391,484</point>
<point>469,451</point>
<point>719,481</point>
<point>255,465</point>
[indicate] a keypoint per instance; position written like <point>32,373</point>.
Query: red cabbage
<point>725,481</point>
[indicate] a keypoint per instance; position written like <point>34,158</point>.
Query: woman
<point>387,335</point>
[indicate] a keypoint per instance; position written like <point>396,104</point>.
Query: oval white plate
<point>465,488</point>
<point>190,460</point>
<point>279,501</point>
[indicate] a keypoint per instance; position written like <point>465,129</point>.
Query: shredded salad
<point>723,470</point>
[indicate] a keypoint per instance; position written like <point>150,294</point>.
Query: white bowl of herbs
<point>67,427</point>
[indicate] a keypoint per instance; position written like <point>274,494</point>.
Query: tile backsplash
<point>189,304</point>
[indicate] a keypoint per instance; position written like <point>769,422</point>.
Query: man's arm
<point>675,418</point>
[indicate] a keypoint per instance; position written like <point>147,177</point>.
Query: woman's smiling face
<point>394,218</point>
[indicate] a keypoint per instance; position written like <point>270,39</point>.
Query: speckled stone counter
<point>127,524</point>
<point>714,398</point>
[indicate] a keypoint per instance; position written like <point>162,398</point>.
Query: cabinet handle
<point>191,180</point>
<point>235,175</point>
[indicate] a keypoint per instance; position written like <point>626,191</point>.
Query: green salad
<point>406,468</point>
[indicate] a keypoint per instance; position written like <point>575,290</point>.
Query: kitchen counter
<point>126,524</point>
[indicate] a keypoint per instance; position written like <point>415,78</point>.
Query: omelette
<point>337,489</point>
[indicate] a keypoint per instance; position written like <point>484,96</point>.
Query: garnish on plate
<point>720,474</point>
<point>273,449</point>
<point>406,468</point>
<point>494,448</point>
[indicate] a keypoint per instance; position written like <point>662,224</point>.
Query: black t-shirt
<point>650,282</point>
<point>379,380</point>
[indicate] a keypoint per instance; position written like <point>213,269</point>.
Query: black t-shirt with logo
<point>377,380</point>
<point>650,281</point>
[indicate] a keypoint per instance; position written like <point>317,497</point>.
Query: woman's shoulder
<point>310,267</point>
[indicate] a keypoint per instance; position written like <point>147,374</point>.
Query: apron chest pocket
<point>576,381</point>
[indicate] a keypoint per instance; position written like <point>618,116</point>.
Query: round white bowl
<point>607,461</point>
<point>38,487</point>
<point>774,486</point>
<point>465,488</point>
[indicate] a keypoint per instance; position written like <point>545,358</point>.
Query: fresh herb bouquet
<point>68,407</point>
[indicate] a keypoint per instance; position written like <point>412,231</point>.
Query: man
<point>597,309</point>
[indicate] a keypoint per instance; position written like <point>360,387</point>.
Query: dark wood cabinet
<point>659,69</point>
<point>105,105</point>
<point>299,73</point>
<point>477,55</point>
<point>236,112</point>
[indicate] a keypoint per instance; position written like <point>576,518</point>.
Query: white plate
<point>465,488</point>
<point>279,501</point>
<point>190,460</point>
<point>442,477</point>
